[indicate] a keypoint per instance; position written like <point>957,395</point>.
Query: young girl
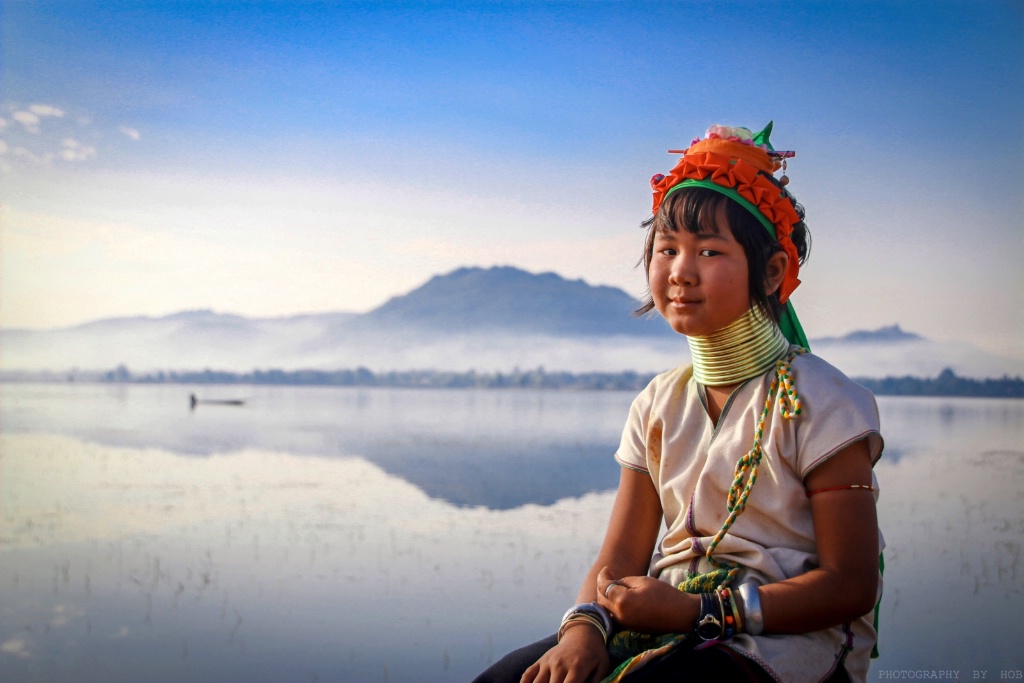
<point>758,459</point>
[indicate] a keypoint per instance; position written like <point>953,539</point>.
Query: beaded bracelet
<point>736,612</point>
<point>729,624</point>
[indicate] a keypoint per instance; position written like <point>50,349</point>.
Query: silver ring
<point>613,583</point>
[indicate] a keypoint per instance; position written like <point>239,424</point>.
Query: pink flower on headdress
<point>731,133</point>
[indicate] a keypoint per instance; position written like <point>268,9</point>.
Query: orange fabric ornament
<point>739,170</point>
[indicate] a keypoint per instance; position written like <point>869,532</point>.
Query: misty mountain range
<point>493,319</point>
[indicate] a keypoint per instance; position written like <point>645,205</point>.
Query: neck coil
<point>745,348</point>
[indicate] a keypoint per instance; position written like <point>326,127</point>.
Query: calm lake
<point>351,534</point>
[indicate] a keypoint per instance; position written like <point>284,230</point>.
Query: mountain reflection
<point>491,448</point>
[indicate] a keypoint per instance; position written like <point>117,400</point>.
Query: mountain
<point>489,320</point>
<point>472,318</point>
<point>885,335</point>
<point>892,352</point>
<point>505,299</point>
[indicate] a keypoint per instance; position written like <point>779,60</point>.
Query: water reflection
<point>138,564</point>
<point>396,535</point>
<point>498,449</point>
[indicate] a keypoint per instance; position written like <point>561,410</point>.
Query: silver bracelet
<point>588,608</point>
<point>753,617</point>
<point>583,617</point>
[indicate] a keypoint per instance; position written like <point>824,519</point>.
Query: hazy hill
<point>505,299</point>
<point>495,318</point>
<point>891,334</point>
<point>491,320</point>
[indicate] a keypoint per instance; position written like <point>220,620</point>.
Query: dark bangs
<point>695,209</point>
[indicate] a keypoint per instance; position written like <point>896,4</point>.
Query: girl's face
<point>699,282</point>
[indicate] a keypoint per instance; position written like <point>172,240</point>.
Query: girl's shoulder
<point>835,411</point>
<point>664,389</point>
<point>821,378</point>
<point>812,367</point>
<point>813,377</point>
<point>673,377</point>
<point>672,382</point>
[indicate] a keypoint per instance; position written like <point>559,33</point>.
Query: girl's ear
<point>775,270</point>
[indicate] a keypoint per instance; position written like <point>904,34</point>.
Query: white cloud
<point>31,157</point>
<point>46,110</point>
<point>30,118</point>
<point>42,134</point>
<point>27,119</point>
<point>73,150</point>
<point>3,147</point>
<point>17,647</point>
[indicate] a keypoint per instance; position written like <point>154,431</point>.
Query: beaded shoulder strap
<point>782,392</point>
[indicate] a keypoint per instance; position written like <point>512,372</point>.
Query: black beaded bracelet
<point>728,613</point>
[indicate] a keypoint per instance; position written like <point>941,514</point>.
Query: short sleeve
<point>632,452</point>
<point>642,436</point>
<point>835,412</point>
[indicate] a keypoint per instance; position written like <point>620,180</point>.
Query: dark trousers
<point>715,663</point>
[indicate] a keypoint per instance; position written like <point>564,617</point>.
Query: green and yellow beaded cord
<point>783,392</point>
<point>636,649</point>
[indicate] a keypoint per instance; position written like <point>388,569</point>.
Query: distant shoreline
<point>946,384</point>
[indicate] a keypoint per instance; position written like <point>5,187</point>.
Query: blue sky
<point>276,158</point>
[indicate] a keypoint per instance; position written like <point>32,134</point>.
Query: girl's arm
<point>632,532</point>
<point>627,548</point>
<point>844,586</point>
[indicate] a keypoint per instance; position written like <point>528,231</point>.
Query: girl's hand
<point>646,604</point>
<point>579,657</point>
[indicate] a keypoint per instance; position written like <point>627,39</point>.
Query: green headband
<point>788,322</point>
<point>731,194</point>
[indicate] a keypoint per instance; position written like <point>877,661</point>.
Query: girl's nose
<point>683,271</point>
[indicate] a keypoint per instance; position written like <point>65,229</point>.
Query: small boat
<point>193,401</point>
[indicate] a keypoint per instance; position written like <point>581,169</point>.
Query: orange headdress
<point>740,164</point>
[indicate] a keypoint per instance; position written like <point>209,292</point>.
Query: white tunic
<point>691,462</point>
